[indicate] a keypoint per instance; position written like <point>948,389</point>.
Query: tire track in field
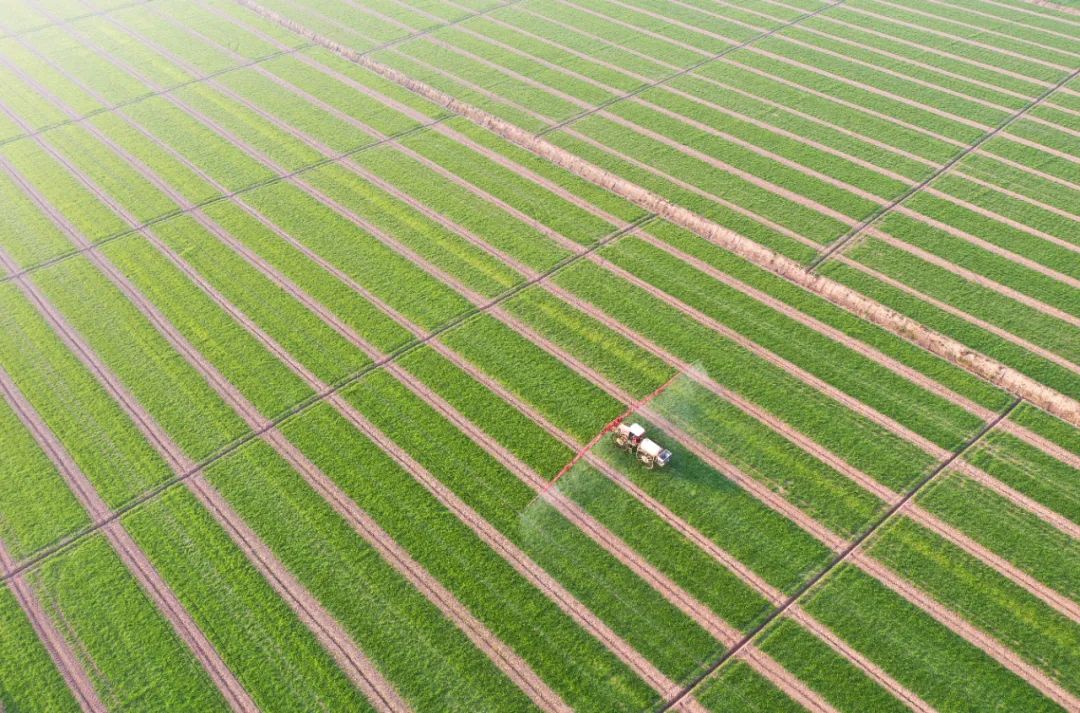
<point>980,30</point>
<point>789,684</point>
<point>997,331</point>
<point>928,49</point>
<point>65,660</point>
<point>802,200</point>
<point>56,22</point>
<point>329,632</point>
<point>149,580</point>
<point>787,162</point>
<point>945,616</point>
<point>992,560</point>
<point>1013,20</point>
<point>107,108</point>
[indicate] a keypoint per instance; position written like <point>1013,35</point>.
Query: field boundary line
<point>941,345</point>
<point>888,515</point>
<point>687,70</point>
<point>318,398</point>
<point>841,243</point>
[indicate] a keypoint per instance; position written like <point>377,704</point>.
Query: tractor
<point>631,438</point>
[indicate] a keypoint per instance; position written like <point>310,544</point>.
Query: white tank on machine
<point>652,454</point>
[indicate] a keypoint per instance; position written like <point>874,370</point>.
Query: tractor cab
<point>628,436</point>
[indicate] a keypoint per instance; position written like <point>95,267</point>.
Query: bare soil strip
<point>956,312</point>
<point>958,625</point>
<point>1013,20</point>
<point>1013,381</point>
<point>947,617</point>
<point>867,666</point>
<point>1049,5</point>
<point>149,579</point>
<point>968,275</point>
<point>979,31</point>
<point>1066,525</point>
<point>65,660</point>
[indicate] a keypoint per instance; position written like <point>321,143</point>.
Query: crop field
<point>317,318</point>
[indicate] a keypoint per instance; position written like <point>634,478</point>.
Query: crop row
<point>485,474</point>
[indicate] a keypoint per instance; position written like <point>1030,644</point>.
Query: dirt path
<point>976,278</point>
<point>451,134</point>
<point>960,314</point>
<point>958,625</point>
<point>303,603</point>
<point>979,31</point>
<point>149,579</point>
<point>868,667</point>
<point>1066,525</point>
<point>1049,5</point>
<point>66,662</point>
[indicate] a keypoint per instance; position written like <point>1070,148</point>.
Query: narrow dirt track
<point>66,662</point>
<point>979,31</point>
<point>872,670</point>
<point>958,625</point>
<point>151,582</point>
<point>1066,525</point>
<point>960,314</point>
<point>976,278</point>
<point>303,603</point>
